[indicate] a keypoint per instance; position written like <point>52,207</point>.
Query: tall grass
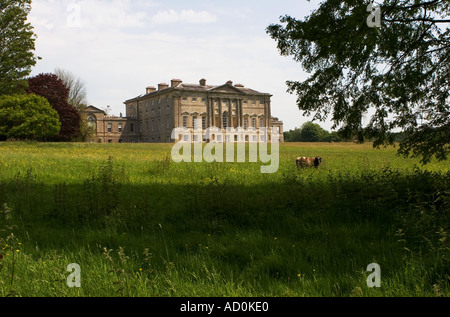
<point>141,225</point>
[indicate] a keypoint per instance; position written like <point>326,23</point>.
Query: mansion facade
<point>152,116</point>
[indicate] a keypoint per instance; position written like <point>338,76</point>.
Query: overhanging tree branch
<point>416,20</point>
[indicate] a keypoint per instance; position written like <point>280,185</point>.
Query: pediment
<point>93,109</point>
<point>227,88</point>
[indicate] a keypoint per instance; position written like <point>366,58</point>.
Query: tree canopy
<point>27,117</point>
<point>311,132</point>
<point>17,45</point>
<point>55,91</point>
<point>396,75</point>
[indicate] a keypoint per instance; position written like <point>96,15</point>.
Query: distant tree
<point>27,117</point>
<point>293,135</point>
<point>17,45</point>
<point>312,132</point>
<point>77,89</point>
<point>333,137</point>
<point>55,91</point>
<point>400,69</point>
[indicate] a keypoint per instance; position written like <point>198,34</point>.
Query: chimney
<point>150,89</point>
<point>162,86</point>
<point>176,82</point>
<point>203,82</point>
<point>239,86</point>
<point>230,82</point>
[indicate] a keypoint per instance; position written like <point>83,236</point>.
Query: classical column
<point>230,113</point>
<point>266,114</point>
<point>220,114</point>
<point>211,112</point>
<point>207,112</point>
<point>238,116</point>
<point>241,113</point>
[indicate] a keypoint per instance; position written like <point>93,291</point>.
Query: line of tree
<point>311,132</point>
<point>30,105</point>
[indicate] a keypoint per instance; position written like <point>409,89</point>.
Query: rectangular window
<point>132,127</point>
<point>245,123</point>
<point>185,121</point>
<point>204,122</point>
<point>194,99</point>
<point>120,127</point>
<point>254,122</point>
<point>194,118</point>
<point>109,127</point>
<point>262,123</point>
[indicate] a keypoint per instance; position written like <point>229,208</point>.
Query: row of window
<point>203,100</point>
<point>262,122</point>
<point>228,139</point>
<point>120,128</point>
<point>155,125</point>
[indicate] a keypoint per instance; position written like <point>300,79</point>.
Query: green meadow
<point>139,224</point>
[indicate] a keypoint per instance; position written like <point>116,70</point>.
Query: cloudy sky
<point>119,47</point>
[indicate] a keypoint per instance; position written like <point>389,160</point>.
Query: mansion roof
<point>178,85</point>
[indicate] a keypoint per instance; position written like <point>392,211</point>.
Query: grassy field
<point>139,224</point>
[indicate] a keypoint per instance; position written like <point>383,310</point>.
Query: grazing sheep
<point>309,161</point>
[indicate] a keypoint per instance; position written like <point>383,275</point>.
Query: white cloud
<point>185,16</point>
<point>123,46</point>
<point>114,14</point>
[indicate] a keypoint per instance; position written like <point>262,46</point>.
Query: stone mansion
<point>151,117</point>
